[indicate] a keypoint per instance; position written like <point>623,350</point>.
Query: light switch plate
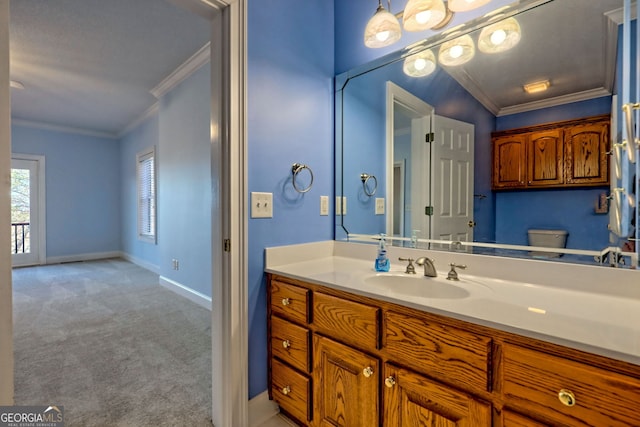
<point>324,205</point>
<point>261,205</point>
<point>379,205</point>
<point>341,205</point>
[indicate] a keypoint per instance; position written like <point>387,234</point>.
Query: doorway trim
<point>41,205</point>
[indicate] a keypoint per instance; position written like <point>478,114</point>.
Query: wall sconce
<point>383,29</point>
<point>631,140</point>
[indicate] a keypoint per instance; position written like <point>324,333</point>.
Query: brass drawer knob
<point>567,397</point>
<point>286,390</point>
<point>286,343</point>
<point>286,301</point>
<point>390,382</point>
<point>367,372</point>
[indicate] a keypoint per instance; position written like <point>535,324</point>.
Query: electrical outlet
<point>261,205</point>
<point>341,205</point>
<point>324,205</point>
<point>379,205</point>
<point>175,264</point>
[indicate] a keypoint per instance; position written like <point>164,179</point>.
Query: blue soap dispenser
<point>382,260</point>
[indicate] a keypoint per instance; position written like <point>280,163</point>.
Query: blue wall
<point>290,114</point>
<point>82,189</point>
<point>144,136</point>
<point>184,182</point>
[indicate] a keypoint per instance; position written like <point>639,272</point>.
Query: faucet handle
<point>410,268</point>
<point>453,274</point>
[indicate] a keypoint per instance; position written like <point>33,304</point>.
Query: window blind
<point>147,196</point>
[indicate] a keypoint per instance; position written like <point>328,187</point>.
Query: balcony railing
<point>20,237</point>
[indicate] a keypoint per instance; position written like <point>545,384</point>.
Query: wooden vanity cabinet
<point>562,154</point>
<point>340,359</point>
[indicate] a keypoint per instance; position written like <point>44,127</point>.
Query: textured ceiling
<point>90,64</point>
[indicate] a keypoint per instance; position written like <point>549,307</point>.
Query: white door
<point>452,180</point>
<point>27,208</point>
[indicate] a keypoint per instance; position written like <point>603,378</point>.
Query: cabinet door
<point>346,384</point>
<point>509,157</point>
<point>545,165</point>
<point>411,399</point>
<point>588,161</point>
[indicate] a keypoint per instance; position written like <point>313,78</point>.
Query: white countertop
<point>596,309</point>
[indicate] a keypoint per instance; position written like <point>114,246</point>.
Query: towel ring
<point>365,178</point>
<point>295,170</point>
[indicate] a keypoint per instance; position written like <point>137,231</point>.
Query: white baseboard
<point>261,409</point>
<point>83,257</point>
<point>142,263</point>
<point>192,295</point>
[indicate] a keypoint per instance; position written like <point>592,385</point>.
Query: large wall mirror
<point>414,131</point>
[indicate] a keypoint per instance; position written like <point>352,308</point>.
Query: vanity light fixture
<point>383,29</point>
<point>465,5</point>
<point>536,87</point>
<point>420,64</point>
<point>457,52</point>
<point>499,37</point>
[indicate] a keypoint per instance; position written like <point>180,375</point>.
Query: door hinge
<point>428,210</point>
<point>430,137</point>
<point>227,245</point>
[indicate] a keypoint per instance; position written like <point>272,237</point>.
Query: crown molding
<point>553,102</point>
<point>617,15</point>
<point>196,61</point>
<point>60,128</point>
<point>139,120</point>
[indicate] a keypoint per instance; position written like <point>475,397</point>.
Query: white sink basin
<point>418,285</point>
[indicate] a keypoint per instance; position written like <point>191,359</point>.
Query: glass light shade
<point>420,64</point>
<point>382,29</point>
<point>420,15</point>
<point>465,5</point>
<point>500,36</point>
<point>457,51</point>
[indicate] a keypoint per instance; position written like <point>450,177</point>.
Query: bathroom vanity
<point>348,346</point>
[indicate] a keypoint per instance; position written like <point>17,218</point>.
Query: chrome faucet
<point>429,268</point>
<point>410,268</point>
<point>453,274</point>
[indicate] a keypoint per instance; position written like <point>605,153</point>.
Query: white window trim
<point>140,158</point>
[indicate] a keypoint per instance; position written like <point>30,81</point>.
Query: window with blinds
<point>146,172</point>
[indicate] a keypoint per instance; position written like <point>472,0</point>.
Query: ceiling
<point>92,65</point>
<point>571,43</point>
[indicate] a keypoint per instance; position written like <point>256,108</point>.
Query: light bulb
<point>423,17</point>
<point>456,51</point>
<point>382,35</point>
<point>420,64</point>
<point>498,37</point>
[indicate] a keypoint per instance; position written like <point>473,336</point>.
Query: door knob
<point>286,301</point>
<point>390,382</point>
<point>286,390</point>
<point>367,372</point>
<point>286,344</point>
<point>567,397</point>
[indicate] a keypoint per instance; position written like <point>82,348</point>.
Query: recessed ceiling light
<point>536,87</point>
<point>16,84</point>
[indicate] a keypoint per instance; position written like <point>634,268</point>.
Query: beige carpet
<point>105,341</point>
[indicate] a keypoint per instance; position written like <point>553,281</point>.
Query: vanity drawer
<point>537,382</point>
<point>290,301</point>
<point>348,321</point>
<point>291,390</point>
<point>290,343</point>
<point>438,350</point>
